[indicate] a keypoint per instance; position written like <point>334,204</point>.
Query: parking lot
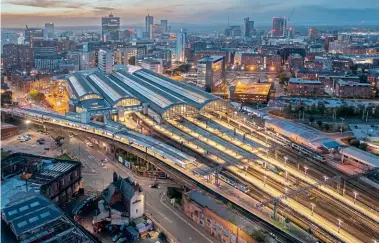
<point>32,146</point>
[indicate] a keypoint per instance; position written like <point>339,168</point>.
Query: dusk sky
<point>18,13</point>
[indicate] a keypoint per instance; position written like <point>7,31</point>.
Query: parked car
<point>117,236</point>
<point>89,144</point>
<point>155,185</point>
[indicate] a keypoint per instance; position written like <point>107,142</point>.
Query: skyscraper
<point>164,24</point>
<point>32,34</point>
<point>279,25</point>
<point>248,28</point>
<point>105,61</point>
<point>181,45</point>
<point>149,20</point>
<point>110,28</point>
<point>48,32</point>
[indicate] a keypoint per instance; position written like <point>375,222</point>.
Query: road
<point>97,177</point>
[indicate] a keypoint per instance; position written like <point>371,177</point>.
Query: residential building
<point>105,61</point>
<point>254,61</point>
<point>351,89</point>
<point>211,72</point>
<point>153,65</point>
<point>248,27</point>
<point>181,45</point>
<point>122,202</point>
<point>303,87</point>
<point>57,179</point>
<point>17,56</point>
<point>48,32</point>
<point>31,217</point>
<point>279,26</point>
<point>295,61</point>
<point>219,221</point>
<point>110,28</point>
<point>250,92</point>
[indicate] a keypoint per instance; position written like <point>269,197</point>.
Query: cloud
<point>103,9</point>
<point>45,3</point>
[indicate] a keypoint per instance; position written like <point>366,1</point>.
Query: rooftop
<point>221,210</point>
<point>351,83</point>
<point>39,170</point>
<point>211,59</point>
<point>302,81</point>
<point>360,155</point>
<point>253,88</point>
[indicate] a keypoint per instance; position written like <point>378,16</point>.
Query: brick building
<point>217,219</point>
<point>297,86</point>
<point>350,89</point>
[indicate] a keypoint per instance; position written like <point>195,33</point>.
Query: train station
<point>121,92</point>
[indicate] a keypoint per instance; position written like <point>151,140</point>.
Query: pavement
<point>96,177</point>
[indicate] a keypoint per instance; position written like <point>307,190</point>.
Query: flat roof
<point>211,59</point>
<point>362,156</point>
<point>352,83</point>
<point>253,88</point>
<point>303,81</point>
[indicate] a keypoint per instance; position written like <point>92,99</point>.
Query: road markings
<point>185,220</point>
<point>164,216</point>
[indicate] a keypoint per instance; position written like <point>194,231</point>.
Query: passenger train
<point>234,181</point>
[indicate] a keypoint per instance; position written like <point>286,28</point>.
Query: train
<point>234,181</point>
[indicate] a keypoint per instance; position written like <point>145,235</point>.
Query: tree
<point>321,108</point>
<point>36,95</point>
<point>363,146</point>
<point>132,60</point>
<point>258,236</point>
<point>327,127</point>
<point>6,98</point>
<point>311,119</point>
<point>319,123</point>
<point>313,109</point>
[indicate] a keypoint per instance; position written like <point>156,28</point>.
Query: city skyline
<point>16,13</point>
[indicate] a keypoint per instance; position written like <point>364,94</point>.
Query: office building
<point>211,72</point>
<point>122,55</point>
<point>181,45</point>
<point>164,24</point>
<point>153,65</point>
<point>110,28</point>
<point>48,32</point>
<point>149,20</point>
<point>279,26</point>
<point>105,61</point>
<point>248,28</point>
<point>32,34</point>
<point>155,31</point>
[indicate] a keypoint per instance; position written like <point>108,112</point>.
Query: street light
<point>27,122</point>
<point>286,176</point>
<point>285,161</point>
<point>325,178</point>
<point>313,207</point>
<point>339,224</point>
<point>305,171</point>
<point>355,196</point>
<point>264,180</point>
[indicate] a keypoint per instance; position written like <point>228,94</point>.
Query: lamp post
<point>305,171</point>
<point>313,207</point>
<point>339,224</point>
<point>355,196</point>
<point>27,122</point>
<point>285,161</point>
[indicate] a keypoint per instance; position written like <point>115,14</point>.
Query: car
<point>122,240</point>
<point>71,135</point>
<point>75,134</point>
<point>89,144</point>
<point>21,137</point>
<point>117,236</point>
<point>155,185</point>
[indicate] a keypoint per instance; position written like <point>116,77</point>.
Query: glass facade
<point>127,102</point>
<point>179,110</point>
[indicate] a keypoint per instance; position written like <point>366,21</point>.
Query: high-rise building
<point>32,34</point>
<point>48,32</point>
<point>105,61</point>
<point>164,24</point>
<point>210,72</point>
<point>155,31</point>
<point>149,20</point>
<point>181,45</point>
<point>17,57</point>
<point>248,28</point>
<point>110,28</point>
<point>279,25</point>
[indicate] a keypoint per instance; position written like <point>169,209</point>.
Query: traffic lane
<point>174,221</point>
